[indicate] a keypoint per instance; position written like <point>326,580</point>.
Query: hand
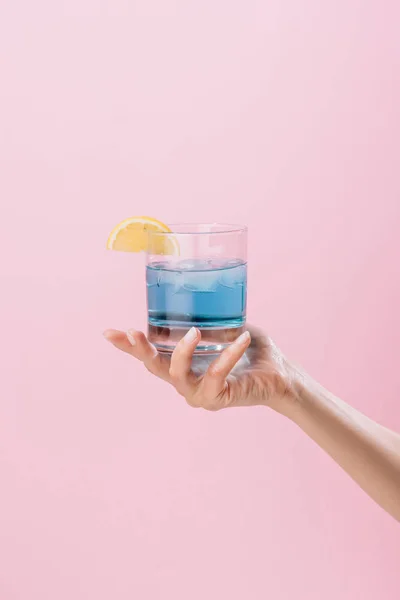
<point>266,380</point>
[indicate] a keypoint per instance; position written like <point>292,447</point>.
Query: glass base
<point>213,339</point>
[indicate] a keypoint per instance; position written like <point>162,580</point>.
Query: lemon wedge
<point>131,235</point>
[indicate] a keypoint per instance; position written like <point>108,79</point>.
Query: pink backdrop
<point>281,115</point>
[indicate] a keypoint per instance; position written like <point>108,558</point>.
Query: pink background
<point>281,115</point>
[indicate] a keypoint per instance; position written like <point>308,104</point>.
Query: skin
<point>367,451</point>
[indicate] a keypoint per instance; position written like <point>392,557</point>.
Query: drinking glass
<point>196,276</point>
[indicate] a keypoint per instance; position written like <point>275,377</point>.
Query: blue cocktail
<point>206,290</point>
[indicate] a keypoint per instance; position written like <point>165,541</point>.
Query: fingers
<point>210,391</point>
<point>214,381</point>
<point>135,343</point>
<point>180,369</point>
<point>118,339</point>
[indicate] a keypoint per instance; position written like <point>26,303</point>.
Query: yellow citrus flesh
<point>131,235</point>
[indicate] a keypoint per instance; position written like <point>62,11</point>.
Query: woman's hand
<point>267,378</point>
<point>367,451</point>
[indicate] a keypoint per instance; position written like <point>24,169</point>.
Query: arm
<point>368,452</point>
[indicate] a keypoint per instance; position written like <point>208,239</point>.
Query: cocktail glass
<point>196,276</point>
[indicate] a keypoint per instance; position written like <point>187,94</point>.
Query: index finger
<point>137,345</point>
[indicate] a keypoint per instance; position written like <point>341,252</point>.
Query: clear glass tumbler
<point>196,275</point>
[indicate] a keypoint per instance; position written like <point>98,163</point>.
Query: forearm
<point>368,452</point>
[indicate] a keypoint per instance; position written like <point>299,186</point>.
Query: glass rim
<point>220,229</point>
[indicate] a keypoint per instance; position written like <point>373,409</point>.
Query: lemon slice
<point>131,235</point>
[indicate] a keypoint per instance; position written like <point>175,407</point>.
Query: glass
<point>196,276</point>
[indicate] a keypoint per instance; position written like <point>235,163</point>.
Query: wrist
<point>309,398</point>
<point>301,393</point>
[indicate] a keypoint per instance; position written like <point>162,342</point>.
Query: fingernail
<point>243,338</point>
<point>130,335</point>
<point>107,334</point>
<point>190,336</point>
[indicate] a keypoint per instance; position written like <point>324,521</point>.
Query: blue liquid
<point>201,293</point>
